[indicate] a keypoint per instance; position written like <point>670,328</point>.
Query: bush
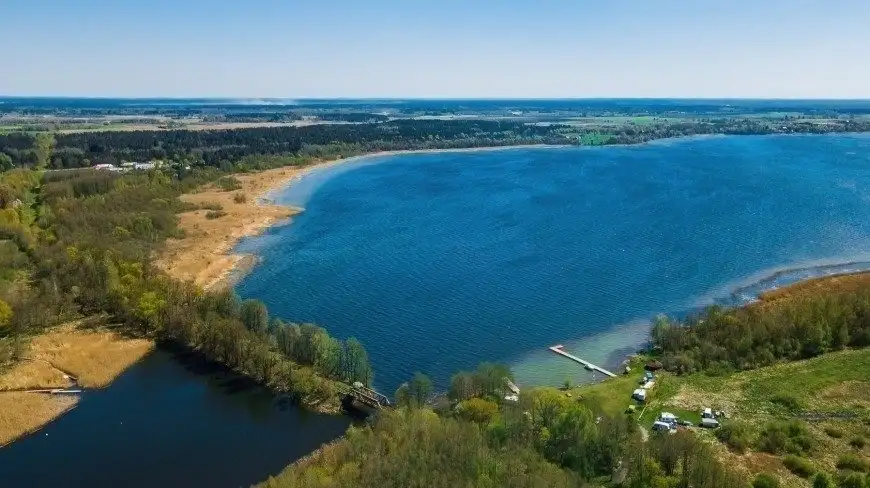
<point>477,410</point>
<point>785,437</point>
<point>211,206</point>
<point>822,480</point>
<point>799,466</point>
<point>736,435</point>
<point>790,402</point>
<point>214,214</point>
<point>228,183</point>
<point>834,432</point>
<point>852,462</point>
<point>858,442</point>
<point>764,480</point>
<point>240,198</point>
<point>853,480</point>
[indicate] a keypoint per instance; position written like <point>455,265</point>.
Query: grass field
<point>829,394</point>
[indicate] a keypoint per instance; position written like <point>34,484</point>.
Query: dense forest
<point>220,148</point>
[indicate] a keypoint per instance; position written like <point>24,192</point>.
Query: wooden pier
<point>558,349</point>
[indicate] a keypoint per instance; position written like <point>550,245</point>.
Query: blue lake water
<point>439,261</point>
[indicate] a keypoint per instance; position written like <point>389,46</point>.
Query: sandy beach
<point>205,255</point>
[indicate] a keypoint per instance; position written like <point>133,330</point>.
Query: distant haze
<point>447,48</point>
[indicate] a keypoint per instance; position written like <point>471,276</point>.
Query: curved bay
<point>440,261</point>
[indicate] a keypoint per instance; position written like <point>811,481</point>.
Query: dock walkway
<point>558,349</point>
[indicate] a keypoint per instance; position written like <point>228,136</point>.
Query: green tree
<point>5,162</point>
<point>356,363</point>
<point>255,316</point>
<point>43,146</point>
<point>419,389</point>
<point>149,306</point>
<point>462,386</point>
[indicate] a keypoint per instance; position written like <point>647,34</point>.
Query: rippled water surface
<point>440,261</point>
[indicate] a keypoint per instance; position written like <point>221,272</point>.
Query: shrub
<point>853,480</point>
<point>785,437</point>
<point>228,183</point>
<point>240,198</point>
<point>764,480</point>
<point>736,435</point>
<point>852,462</point>
<point>214,214</point>
<point>822,480</point>
<point>790,402</point>
<point>211,206</point>
<point>858,442</point>
<point>834,432</point>
<point>477,410</point>
<point>799,466</point>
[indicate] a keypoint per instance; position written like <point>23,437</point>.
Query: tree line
<point>217,147</point>
<point>798,327</point>
<point>224,148</point>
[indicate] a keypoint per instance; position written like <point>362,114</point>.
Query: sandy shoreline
<point>205,256</point>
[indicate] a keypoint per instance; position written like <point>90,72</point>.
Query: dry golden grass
<point>30,375</point>
<point>814,287</point>
<point>22,412</point>
<point>203,255</point>
<point>95,357</point>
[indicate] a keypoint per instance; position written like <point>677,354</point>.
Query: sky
<point>436,49</point>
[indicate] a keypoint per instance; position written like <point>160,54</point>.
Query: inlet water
<point>161,424</point>
<point>439,261</point>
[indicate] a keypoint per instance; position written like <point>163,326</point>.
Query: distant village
<point>129,166</point>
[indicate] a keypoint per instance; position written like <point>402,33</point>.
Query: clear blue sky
<point>440,48</point>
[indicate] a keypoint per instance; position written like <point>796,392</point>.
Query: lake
<point>439,261</point>
<point>162,424</point>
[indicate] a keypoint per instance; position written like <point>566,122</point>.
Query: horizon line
<point>433,98</point>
